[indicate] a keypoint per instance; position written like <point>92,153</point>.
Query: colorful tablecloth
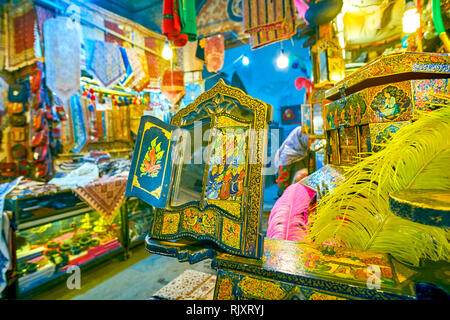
<point>190,285</point>
<point>104,195</point>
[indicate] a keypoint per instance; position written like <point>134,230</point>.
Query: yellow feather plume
<point>357,213</point>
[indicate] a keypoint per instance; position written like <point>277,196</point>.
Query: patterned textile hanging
<point>42,15</point>
<point>106,62</point>
<point>145,80</point>
<point>62,56</point>
<point>190,61</point>
<point>268,21</point>
<point>136,67</point>
<point>214,53</point>
<point>173,85</point>
<point>152,60</point>
<point>78,123</point>
<point>20,36</point>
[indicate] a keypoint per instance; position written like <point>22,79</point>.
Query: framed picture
<point>323,66</point>
<point>317,116</point>
<point>291,115</point>
<point>333,154</point>
<point>307,123</point>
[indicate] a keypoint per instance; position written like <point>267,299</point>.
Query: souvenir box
<point>372,103</point>
<point>204,173</point>
<point>298,271</point>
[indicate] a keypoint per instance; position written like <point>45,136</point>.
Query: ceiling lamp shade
<point>323,12</point>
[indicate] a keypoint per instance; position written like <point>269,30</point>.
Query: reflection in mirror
<point>227,165</point>
<point>189,164</point>
<point>317,119</point>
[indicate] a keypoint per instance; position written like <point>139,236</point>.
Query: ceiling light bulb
<point>245,60</point>
<point>167,52</point>
<point>411,20</point>
<point>282,61</point>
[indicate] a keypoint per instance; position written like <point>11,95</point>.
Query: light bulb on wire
<point>245,61</point>
<point>282,60</point>
<point>411,18</point>
<point>167,52</point>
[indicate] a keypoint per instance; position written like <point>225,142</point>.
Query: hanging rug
<point>172,85</point>
<point>106,62</point>
<point>62,56</point>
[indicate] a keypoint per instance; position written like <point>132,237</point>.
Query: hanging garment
<point>104,195</point>
<point>171,23</point>
<point>190,61</point>
<point>188,17</point>
<point>173,85</point>
<point>214,53</point>
<point>106,62</point>
<point>62,57</point>
<point>268,21</point>
<point>20,36</point>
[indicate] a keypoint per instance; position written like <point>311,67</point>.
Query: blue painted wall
<point>263,80</point>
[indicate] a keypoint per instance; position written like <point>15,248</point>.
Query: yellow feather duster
<point>357,213</point>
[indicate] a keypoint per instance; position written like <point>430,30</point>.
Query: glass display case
<point>139,216</point>
<point>45,250</point>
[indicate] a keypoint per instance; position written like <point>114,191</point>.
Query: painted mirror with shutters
<point>204,172</point>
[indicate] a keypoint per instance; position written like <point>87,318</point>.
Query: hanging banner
<point>20,36</point>
<point>269,21</point>
<point>106,62</point>
<point>173,85</point>
<point>62,57</point>
<point>214,53</point>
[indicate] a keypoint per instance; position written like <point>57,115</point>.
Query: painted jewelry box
<point>371,104</point>
<point>204,174</point>
<point>300,271</point>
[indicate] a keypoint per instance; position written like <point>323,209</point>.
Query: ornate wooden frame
<point>232,226</point>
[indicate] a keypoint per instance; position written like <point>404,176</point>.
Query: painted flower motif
<point>152,160</point>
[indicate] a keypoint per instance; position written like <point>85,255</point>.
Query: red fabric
<point>24,32</point>
<point>171,23</point>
